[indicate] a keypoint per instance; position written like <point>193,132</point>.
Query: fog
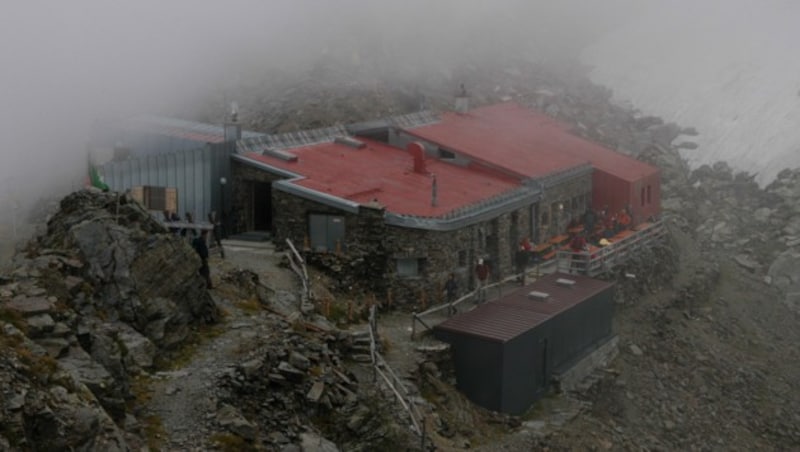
<point>729,68</point>
<point>69,64</point>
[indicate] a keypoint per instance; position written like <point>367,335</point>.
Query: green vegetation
<point>228,442</point>
<point>250,306</point>
<point>15,318</point>
<point>154,431</point>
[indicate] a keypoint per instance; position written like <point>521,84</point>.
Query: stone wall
<point>370,250</point>
<point>367,258</point>
<point>244,176</point>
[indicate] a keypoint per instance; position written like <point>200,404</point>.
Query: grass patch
<point>250,306</point>
<point>40,367</point>
<point>228,442</point>
<point>182,356</point>
<point>154,431</point>
<point>15,318</point>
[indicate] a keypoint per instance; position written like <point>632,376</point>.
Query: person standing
<point>216,232</point>
<point>482,273</point>
<point>200,246</point>
<point>521,260</point>
<point>451,288</point>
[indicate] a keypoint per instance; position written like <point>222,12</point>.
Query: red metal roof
<point>508,317</point>
<point>525,142</point>
<point>379,171</point>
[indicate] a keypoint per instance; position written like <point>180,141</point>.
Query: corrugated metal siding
<point>195,173</point>
<point>506,318</point>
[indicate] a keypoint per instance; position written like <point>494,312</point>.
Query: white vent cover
<point>564,282</point>
<point>539,296</point>
<point>277,153</point>
<point>349,141</point>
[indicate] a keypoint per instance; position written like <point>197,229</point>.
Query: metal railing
<point>298,265</point>
<point>599,260</point>
<point>479,294</point>
<point>381,368</point>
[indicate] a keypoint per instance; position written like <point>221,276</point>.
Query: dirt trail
<point>184,399</point>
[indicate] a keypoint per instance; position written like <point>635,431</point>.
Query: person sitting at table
<point>578,243</point>
<point>624,220</point>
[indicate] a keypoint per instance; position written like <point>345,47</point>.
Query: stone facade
<point>408,264</point>
<point>244,178</point>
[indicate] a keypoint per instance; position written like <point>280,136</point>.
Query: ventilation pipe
<point>417,151</point>
<point>434,191</point>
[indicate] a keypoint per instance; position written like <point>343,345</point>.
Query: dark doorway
<point>262,206</point>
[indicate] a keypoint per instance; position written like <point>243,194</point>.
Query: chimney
<point>434,191</point>
<point>417,151</point>
<point>462,100</point>
<point>233,130</point>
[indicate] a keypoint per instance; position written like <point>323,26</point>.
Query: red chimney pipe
<point>417,151</point>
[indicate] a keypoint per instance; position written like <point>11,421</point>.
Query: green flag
<point>96,180</point>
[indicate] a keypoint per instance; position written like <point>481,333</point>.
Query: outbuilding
<point>506,351</point>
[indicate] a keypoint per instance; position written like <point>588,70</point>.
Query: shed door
<point>543,376</point>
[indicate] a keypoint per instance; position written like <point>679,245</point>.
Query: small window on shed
<point>642,195</point>
<point>409,267</point>
<point>648,195</point>
<point>446,155</point>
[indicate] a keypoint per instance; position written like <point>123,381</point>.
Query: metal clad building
<point>195,173</point>
<point>506,351</point>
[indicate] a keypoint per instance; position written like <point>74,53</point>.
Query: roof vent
<point>538,296</point>
<point>564,282</point>
<point>278,154</point>
<point>349,141</point>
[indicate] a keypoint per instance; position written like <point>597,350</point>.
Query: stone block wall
<point>243,176</point>
<point>371,248</point>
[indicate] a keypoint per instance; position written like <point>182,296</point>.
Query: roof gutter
<point>289,186</point>
<point>484,211</point>
<point>263,166</point>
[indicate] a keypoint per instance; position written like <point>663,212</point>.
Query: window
<point>648,195</point>
<point>326,232</point>
<point>409,267</point>
<point>156,198</point>
<point>446,155</point>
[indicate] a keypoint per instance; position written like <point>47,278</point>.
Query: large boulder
<point>140,274</point>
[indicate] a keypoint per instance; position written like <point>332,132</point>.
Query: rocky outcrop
<point>94,298</point>
<point>299,388</point>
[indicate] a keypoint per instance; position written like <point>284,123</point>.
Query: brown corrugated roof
<point>508,317</point>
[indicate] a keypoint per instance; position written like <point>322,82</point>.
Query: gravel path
<point>185,399</point>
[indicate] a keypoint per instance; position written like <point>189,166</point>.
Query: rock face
<point>93,300</point>
<point>145,278</point>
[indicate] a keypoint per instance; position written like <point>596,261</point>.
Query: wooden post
<point>439,291</point>
<point>423,300</point>
<point>389,298</point>
<point>306,242</point>
<point>413,324</point>
<point>350,310</point>
<point>338,247</point>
